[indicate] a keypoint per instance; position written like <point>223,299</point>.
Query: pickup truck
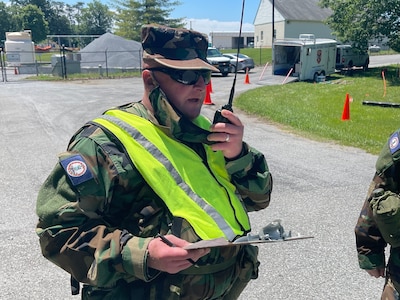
<point>216,58</point>
<point>347,58</point>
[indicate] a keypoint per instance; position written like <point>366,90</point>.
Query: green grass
<point>260,55</point>
<point>45,57</point>
<point>315,110</point>
<point>80,76</point>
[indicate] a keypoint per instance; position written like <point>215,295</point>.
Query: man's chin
<point>193,114</point>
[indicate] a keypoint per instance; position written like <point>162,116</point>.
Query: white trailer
<point>307,57</point>
<point>19,48</point>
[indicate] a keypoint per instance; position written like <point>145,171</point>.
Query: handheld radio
<point>218,118</point>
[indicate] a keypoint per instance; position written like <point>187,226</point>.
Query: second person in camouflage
<point>378,225</point>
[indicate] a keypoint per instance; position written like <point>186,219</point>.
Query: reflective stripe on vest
<point>206,199</point>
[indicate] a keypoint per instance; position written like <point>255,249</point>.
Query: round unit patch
<point>76,168</point>
<point>394,142</point>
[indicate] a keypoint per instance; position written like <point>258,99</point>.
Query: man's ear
<point>149,80</point>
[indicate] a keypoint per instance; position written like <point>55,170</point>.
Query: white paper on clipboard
<point>221,242</point>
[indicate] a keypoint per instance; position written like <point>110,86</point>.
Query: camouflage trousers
<point>226,284</point>
<point>389,291</point>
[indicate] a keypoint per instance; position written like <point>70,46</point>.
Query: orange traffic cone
<point>15,71</point>
<point>247,79</point>
<point>346,109</point>
<point>207,99</point>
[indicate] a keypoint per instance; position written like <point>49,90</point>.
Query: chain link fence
<point>64,62</point>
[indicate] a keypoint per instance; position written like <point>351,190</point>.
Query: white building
<point>230,39</point>
<point>291,18</point>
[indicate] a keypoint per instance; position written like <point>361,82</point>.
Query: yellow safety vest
<point>201,194</point>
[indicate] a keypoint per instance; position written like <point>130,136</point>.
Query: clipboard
<point>222,242</point>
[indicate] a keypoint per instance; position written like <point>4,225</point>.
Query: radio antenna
<point>218,116</point>
<point>237,58</point>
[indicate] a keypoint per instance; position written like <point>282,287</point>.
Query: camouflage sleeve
<point>369,241</point>
<point>75,217</point>
<point>251,176</point>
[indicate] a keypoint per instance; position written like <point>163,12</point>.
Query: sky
<point>217,15</point>
<point>207,16</point>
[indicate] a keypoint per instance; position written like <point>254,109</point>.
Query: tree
<point>5,21</point>
<point>358,21</point>
<point>57,18</point>
<point>132,15</point>
<point>33,19</point>
<point>96,18</point>
<point>77,14</point>
<point>54,13</point>
<point>73,14</point>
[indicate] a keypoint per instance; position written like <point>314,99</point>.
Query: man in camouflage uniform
<point>379,221</point>
<point>150,168</point>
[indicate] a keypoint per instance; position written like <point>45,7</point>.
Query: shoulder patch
<point>394,144</point>
<point>76,169</point>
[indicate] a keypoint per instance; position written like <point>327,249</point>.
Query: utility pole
<point>273,23</point>
<point>273,36</point>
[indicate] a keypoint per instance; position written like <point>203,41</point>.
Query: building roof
<point>121,53</point>
<point>302,10</point>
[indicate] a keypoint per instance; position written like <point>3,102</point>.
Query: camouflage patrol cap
<point>176,48</point>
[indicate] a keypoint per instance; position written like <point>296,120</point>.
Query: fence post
<point>37,68</point>
<point>140,60</point>
<point>106,63</point>
<point>100,70</point>
<point>63,63</point>
<point>1,64</point>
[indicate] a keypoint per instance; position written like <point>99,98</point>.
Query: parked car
<point>374,48</point>
<point>219,61</point>
<point>244,62</point>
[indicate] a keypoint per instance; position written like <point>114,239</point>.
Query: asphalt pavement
<point>318,190</point>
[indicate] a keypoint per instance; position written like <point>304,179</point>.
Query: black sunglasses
<point>186,77</point>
